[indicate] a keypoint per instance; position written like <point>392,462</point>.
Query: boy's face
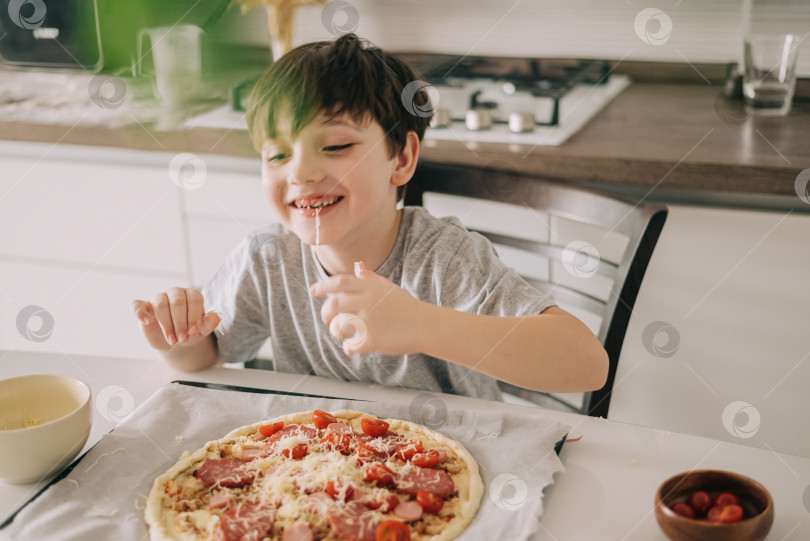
<point>336,169</point>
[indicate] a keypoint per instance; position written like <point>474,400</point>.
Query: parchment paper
<point>104,495</point>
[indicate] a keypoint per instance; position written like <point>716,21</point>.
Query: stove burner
<point>493,83</point>
<point>542,77</point>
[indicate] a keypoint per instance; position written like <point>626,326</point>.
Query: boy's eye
<point>336,148</point>
<point>277,157</point>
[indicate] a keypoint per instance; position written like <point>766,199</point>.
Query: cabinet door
<point>91,214</point>
<point>73,310</point>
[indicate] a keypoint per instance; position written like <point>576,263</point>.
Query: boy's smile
<point>315,204</point>
<point>337,173</point>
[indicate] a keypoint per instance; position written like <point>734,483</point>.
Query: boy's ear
<point>405,160</point>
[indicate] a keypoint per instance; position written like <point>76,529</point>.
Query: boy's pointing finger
<point>343,283</point>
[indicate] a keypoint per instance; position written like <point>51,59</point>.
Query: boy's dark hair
<point>347,75</point>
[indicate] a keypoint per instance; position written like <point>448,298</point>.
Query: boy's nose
<point>305,170</point>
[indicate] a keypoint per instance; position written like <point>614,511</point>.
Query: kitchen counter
<point>611,474</point>
<point>668,137</point>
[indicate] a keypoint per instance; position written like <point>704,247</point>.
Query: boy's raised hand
<point>174,318</point>
<point>369,313</point>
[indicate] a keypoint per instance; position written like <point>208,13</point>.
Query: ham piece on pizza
<point>340,476</point>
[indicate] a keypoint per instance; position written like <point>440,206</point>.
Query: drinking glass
<point>769,75</point>
<point>176,57</point>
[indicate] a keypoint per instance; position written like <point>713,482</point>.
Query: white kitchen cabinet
<point>83,311</point>
<point>84,231</point>
<point>90,213</point>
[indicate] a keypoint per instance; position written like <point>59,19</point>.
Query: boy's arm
<point>550,352</point>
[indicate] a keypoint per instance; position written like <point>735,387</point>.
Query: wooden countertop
<point>661,136</point>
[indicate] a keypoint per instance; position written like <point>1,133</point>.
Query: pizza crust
<point>468,483</point>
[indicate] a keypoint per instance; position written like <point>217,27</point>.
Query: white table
<point>605,494</point>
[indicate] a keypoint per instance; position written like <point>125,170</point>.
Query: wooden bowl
<point>754,498</point>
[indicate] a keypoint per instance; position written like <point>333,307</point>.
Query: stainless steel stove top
<point>514,100</point>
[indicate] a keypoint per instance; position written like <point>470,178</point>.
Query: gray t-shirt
<point>262,291</point>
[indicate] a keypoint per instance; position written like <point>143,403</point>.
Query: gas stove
<point>514,100</point>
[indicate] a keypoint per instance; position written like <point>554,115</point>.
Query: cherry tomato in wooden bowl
<point>713,505</point>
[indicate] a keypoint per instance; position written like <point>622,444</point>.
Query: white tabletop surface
<point>611,473</point>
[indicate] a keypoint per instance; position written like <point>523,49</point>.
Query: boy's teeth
<point>320,204</point>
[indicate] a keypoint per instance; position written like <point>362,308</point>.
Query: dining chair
<point>588,250</point>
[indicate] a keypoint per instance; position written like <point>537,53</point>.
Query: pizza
<point>341,476</point>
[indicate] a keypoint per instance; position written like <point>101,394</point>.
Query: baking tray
<point>215,386</point>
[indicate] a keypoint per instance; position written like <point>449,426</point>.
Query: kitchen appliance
<point>515,100</point>
<point>91,34</point>
<point>61,34</point>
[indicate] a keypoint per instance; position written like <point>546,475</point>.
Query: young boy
<point>348,285</point>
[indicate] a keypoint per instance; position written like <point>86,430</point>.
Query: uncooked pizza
<point>344,475</point>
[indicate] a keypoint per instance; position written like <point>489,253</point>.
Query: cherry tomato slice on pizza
<point>340,442</point>
<point>367,452</point>
<point>428,459</point>
<point>377,472</point>
<point>322,419</point>
<point>383,502</point>
<point>340,489</point>
<point>272,428</point>
<point>392,530</point>
<point>296,452</point>
<point>406,451</point>
<point>374,427</point>
<point>429,501</point>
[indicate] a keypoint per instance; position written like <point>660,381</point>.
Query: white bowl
<point>45,420</point>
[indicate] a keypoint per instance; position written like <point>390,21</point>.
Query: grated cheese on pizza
<point>298,476</point>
